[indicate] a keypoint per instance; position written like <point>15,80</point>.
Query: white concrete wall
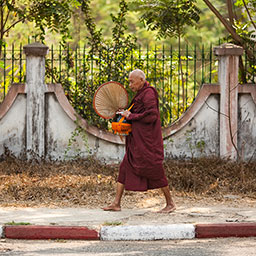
<point>247,127</point>
<point>59,130</point>
<point>12,128</point>
<point>200,137</point>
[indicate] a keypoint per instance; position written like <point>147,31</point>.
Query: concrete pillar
<point>35,90</point>
<point>228,80</point>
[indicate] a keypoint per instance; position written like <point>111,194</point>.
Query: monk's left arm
<point>150,113</point>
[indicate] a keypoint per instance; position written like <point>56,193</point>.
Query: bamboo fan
<point>108,98</point>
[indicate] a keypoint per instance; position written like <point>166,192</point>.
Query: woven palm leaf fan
<point>108,98</point>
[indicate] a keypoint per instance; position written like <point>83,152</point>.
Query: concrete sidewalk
<point>129,224</point>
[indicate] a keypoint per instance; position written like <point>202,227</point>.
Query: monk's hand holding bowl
<point>126,113</point>
<point>120,111</point>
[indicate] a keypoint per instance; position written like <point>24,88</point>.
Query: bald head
<point>137,79</point>
<point>139,73</point>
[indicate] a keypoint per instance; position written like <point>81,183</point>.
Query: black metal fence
<point>176,73</point>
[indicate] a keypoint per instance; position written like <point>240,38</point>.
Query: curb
<point>226,230</point>
<point>50,232</point>
<point>148,232</point>
<point>119,233</point>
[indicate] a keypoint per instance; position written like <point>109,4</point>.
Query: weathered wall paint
<point>12,128</point>
<point>228,80</point>
<point>200,137</point>
<point>247,127</point>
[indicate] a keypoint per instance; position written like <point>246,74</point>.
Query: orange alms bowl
<point>121,128</point>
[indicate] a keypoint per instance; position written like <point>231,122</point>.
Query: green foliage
<point>245,27</point>
<point>13,223</point>
<point>53,15</point>
<point>168,17</point>
<point>103,61</point>
<point>195,143</point>
<point>241,28</point>
<point>112,223</point>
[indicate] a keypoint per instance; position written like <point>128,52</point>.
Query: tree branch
<point>229,28</point>
<point>8,13</point>
<point>230,11</point>
<point>215,109</point>
<point>7,16</point>
<point>249,15</point>
<point>2,22</point>
<point>226,24</point>
<point>13,25</point>
<point>232,136</point>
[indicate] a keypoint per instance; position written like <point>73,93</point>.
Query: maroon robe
<point>142,166</point>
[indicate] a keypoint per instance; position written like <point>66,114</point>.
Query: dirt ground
<point>89,183</point>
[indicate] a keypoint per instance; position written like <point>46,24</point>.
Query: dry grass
<point>212,176</point>
<point>92,184</point>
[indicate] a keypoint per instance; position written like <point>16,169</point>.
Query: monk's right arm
<point>150,114</point>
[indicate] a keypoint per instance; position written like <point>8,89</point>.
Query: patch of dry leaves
<point>89,183</point>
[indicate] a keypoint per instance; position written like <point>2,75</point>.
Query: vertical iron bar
<point>179,74</point>
<point>123,68</point>
<point>246,62</point>
<point>76,56</point>
<point>68,62</point>
<point>186,90</point>
<point>253,70</point>
<point>155,67</point>
<point>195,59</point>
<point>84,65</point>
<point>202,65</point>
<point>79,58</point>
<point>132,61</point>
<point>108,68</point>
<point>162,78</point>
<point>210,78</point>
<point>171,56</point>
<point>139,56</point>
<point>20,61</point>
<point>147,62</point>
<point>92,68</point>
<point>100,75</point>
<point>52,56</point>
<point>60,63</point>
<point>5,89</point>
<point>13,57</point>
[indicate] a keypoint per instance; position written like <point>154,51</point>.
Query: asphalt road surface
<point>195,247</point>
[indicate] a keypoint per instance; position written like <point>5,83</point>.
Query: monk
<point>142,166</point>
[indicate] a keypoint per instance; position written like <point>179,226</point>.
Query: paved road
<point>203,247</point>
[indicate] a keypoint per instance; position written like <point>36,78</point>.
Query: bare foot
<point>168,209</point>
<point>112,207</point>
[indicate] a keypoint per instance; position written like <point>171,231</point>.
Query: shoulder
<point>150,92</point>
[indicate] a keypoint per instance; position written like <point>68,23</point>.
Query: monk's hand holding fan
<point>110,100</point>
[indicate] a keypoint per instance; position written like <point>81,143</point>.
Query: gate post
<point>228,80</point>
<point>35,108</point>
